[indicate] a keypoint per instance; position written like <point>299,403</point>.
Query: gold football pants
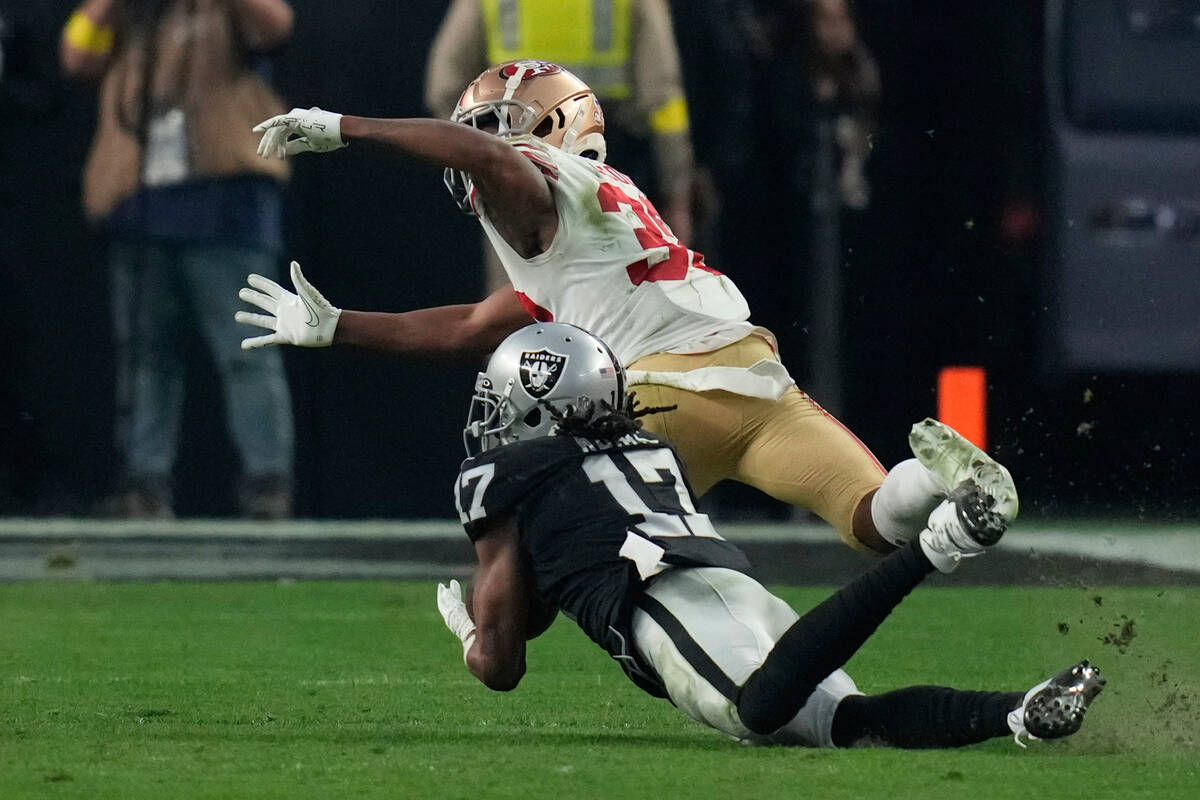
<point>792,449</point>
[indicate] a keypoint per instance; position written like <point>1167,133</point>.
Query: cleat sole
<point>954,459</point>
<point>1057,709</point>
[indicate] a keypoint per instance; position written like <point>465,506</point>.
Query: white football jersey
<point>614,267</point>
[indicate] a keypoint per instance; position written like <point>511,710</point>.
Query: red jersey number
<point>652,234</point>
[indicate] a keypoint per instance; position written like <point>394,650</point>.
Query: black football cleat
<point>1055,707</point>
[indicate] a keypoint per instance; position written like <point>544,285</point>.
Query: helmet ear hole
<point>544,127</point>
<point>534,417</point>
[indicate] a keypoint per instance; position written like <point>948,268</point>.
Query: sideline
<point>55,548</point>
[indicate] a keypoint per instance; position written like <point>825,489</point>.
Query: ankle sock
<point>904,500</point>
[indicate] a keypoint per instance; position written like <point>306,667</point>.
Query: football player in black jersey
<point>572,507</point>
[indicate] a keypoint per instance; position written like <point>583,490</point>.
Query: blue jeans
<point>157,290</point>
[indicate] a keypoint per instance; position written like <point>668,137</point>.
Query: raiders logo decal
<point>532,69</point>
<point>540,371</point>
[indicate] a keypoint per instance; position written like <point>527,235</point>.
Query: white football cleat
<point>944,452</point>
<point>1055,707</point>
<point>962,526</point>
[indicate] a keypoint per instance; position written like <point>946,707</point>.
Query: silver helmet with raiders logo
<point>545,365</point>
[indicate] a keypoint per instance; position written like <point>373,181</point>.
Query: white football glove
<point>305,319</point>
<point>454,613</point>
<point>315,130</point>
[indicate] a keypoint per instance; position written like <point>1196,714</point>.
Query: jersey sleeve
<point>539,153</point>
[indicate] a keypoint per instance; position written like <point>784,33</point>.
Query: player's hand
<point>298,131</point>
<point>454,611</point>
<point>305,319</point>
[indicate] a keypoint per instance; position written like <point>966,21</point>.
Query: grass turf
<point>322,689</point>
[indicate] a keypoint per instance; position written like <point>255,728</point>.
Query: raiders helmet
<point>531,97</point>
<point>544,364</point>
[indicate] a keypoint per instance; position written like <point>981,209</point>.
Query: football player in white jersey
<point>524,152</point>
<point>572,507</point>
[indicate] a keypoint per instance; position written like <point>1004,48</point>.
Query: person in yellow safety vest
<point>623,49</point>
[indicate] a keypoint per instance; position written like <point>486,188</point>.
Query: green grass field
<point>354,689</point>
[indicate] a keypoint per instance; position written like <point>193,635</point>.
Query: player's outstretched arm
<point>515,192</point>
<point>500,606</point>
<point>439,332</point>
<point>304,318</point>
<point>519,200</point>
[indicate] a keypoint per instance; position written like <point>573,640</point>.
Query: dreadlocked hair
<point>591,419</point>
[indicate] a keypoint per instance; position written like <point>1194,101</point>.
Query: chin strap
<point>573,130</point>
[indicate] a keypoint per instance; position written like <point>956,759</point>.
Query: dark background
<point>952,264</point>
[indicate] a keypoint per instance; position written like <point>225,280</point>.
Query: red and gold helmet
<point>537,98</point>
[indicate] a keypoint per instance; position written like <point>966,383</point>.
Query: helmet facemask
<point>488,417</point>
<point>495,117</point>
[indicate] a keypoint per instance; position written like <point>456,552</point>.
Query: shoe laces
<point>1016,721</point>
<point>950,537</point>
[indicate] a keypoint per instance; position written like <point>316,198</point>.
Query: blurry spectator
<point>713,38</point>
<point>625,51</point>
<point>189,209</point>
<point>817,93</point>
<point>845,76</point>
<point>816,68</point>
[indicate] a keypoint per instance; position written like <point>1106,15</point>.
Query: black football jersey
<point>596,519</point>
